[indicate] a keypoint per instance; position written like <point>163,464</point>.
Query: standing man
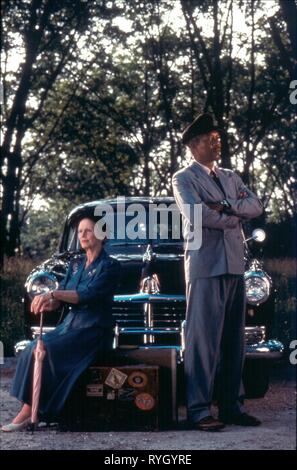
<point>214,279</point>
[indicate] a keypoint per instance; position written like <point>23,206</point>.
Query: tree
<point>126,105</point>
<point>98,104</point>
<point>246,95</point>
<point>286,44</point>
<point>48,31</point>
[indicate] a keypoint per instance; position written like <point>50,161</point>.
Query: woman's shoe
<point>16,426</point>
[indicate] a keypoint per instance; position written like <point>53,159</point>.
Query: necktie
<point>217,181</point>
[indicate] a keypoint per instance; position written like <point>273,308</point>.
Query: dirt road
<point>278,431</point>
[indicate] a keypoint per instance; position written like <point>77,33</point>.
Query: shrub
<point>283,273</point>
<point>13,276</point>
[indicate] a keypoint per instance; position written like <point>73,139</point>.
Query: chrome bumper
<point>21,345</point>
<point>271,349</point>
<point>256,345</point>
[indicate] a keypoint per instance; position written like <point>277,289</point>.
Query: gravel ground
<point>278,431</point>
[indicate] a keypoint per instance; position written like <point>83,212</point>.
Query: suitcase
<point>122,398</point>
<point>166,359</point>
<point>127,390</point>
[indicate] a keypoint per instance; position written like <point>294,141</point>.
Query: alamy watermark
<point>293,354</point>
<point>293,94</point>
<point>135,221</point>
<point>1,353</point>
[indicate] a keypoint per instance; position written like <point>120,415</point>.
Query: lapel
<point>97,266</point>
<point>225,179</point>
<point>206,181</point>
<point>79,272</point>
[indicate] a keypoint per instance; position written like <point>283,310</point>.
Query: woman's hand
<point>43,303</point>
<point>46,303</point>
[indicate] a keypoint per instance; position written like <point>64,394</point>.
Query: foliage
<point>42,230</point>
<point>284,278</point>
<point>13,277</point>
<point>98,103</point>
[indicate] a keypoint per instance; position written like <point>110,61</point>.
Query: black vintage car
<point>149,308</point>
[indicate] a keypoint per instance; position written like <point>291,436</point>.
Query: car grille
<point>166,320</point>
<point>132,315</point>
<point>167,324</point>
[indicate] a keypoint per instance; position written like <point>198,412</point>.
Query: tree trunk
<point>11,161</point>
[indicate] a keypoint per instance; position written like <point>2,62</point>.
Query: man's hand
<point>215,206</point>
<point>242,195</point>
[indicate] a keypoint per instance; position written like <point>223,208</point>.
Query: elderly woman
<point>88,288</point>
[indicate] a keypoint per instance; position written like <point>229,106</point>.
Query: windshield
<point>156,225</point>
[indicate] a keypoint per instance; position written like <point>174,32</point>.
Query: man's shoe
<point>243,419</point>
<point>209,424</point>
<point>16,427</point>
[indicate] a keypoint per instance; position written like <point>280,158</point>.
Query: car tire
<point>256,377</point>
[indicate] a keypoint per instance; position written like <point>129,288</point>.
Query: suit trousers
<point>215,346</point>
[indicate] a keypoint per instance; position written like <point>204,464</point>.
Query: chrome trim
<point>150,285</point>
<point>157,331</point>
<point>148,322</point>
<point>35,330</point>
<point>149,254</point>
<point>254,334</point>
<point>266,349</point>
<point>40,275</point>
<point>146,316</point>
<point>146,297</point>
<point>271,349</point>
<point>183,337</point>
<point>20,346</point>
<point>255,273</point>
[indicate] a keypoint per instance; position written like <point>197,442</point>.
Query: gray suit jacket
<point>222,250</point>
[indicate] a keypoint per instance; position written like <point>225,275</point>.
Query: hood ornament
<point>149,254</point>
<point>149,282</point>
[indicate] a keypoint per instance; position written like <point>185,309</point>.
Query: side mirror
<point>258,235</point>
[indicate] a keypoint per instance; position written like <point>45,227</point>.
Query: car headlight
<point>40,283</point>
<point>257,287</point>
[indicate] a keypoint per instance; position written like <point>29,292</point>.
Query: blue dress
<point>76,342</point>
